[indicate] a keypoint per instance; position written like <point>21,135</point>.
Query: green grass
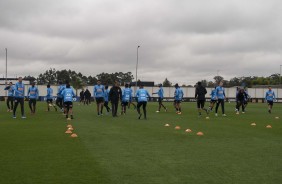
<point>126,150</point>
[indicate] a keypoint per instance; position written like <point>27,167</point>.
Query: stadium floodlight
<point>280,75</point>
<point>136,67</point>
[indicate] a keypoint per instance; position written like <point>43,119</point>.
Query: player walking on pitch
<point>32,94</point>
<point>220,95</point>
<point>270,97</point>
<point>200,93</point>
<point>142,96</point>
<point>160,93</point>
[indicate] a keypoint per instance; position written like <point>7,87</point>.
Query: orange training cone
<point>69,126</point>
<point>71,129</point>
<point>177,128</point>
<point>68,132</point>
<point>74,135</point>
<point>188,130</point>
<point>200,133</point>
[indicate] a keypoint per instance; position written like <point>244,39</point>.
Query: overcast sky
<point>183,40</point>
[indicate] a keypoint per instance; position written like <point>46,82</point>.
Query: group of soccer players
<point>102,95</point>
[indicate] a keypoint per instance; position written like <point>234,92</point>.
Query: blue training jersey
<point>142,95</point>
<point>49,93</point>
<point>33,92</point>
<point>213,94</point>
<point>220,94</point>
<point>19,90</point>
<point>98,91</point>
<point>161,92</point>
<point>270,95</point>
<point>106,95</point>
<point>126,95</point>
<point>178,94</point>
<point>10,90</point>
<point>60,89</point>
<point>68,94</point>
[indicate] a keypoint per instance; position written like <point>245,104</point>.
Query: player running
<point>68,95</point>
<point>178,96</point>
<point>98,93</point>
<point>240,101</point>
<point>32,94</point>
<point>142,96</point>
<point>220,95</point>
<point>49,98</point>
<point>10,99</point>
<point>200,93</point>
<point>115,95</point>
<point>59,99</point>
<point>19,97</point>
<point>131,100</point>
<point>160,93</point>
<point>126,96</point>
<point>270,97</point>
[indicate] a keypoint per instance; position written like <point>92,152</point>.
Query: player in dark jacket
<point>200,94</point>
<point>240,100</point>
<point>115,95</point>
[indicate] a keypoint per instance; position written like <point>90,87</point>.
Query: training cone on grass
<point>277,117</point>
<point>71,129</point>
<point>177,128</point>
<point>200,133</point>
<point>188,130</point>
<point>268,126</point>
<point>167,125</point>
<point>69,126</point>
<point>74,135</point>
<point>68,132</point>
<point>253,124</point>
<point>207,117</point>
<point>68,119</point>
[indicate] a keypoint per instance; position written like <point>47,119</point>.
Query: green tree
<point>167,83</point>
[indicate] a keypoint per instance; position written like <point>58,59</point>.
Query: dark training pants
<point>220,101</point>
<point>144,105</point>
<point>114,108</point>
<point>10,102</point>
<point>17,101</point>
<point>32,105</point>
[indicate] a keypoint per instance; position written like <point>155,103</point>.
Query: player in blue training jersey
<point>49,98</point>
<point>68,95</point>
<point>126,97</point>
<point>19,97</point>
<point>178,97</point>
<point>160,93</point>
<point>32,94</point>
<point>269,98</point>
<point>131,100</point>
<point>220,96</point>
<point>142,96</point>
<point>106,99</point>
<point>59,99</point>
<point>213,99</point>
<point>98,93</point>
<point>10,99</point>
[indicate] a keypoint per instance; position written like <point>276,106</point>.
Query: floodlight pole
<point>6,68</point>
<point>280,75</point>
<point>136,68</point>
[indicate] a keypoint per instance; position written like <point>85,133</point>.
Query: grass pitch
<point>127,150</point>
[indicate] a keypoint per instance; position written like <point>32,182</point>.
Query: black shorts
<point>213,101</point>
<point>49,100</point>
<point>59,99</point>
<point>124,103</point>
<point>177,101</point>
<point>99,100</point>
<point>200,104</point>
<point>269,102</point>
<point>10,98</point>
<point>32,100</point>
<point>160,100</point>
<point>68,104</point>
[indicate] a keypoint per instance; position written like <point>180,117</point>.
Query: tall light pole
<point>6,68</point>
<point>280,75</point>
<point>136,67</point>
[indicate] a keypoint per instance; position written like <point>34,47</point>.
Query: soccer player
<point>200,93</point>
<point>220,96</point>
<point>32,94</point>
<point>247,97</point>
<point>87,95</point>
<point>213,99</point>
<point>81,95</point>
<point>240,100</point>
<point>160,93</point>
<point>115,95</point>
<point>142,96</point>
<point>130,102</point>
<point>49,98</point>
<point>19,97</point>
<point>98,93</point>
<point>10,99</point>
<point>59,99</point>
<point>106,99</point>
<point>178,96</point>
<point>270,97</point>
<point>126,96</point>
<point>68,95</point>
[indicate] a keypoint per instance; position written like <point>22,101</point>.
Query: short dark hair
<point>126,85</point>
<point>68,85</point>
<point>199,83</point>
<point>48,85</point>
